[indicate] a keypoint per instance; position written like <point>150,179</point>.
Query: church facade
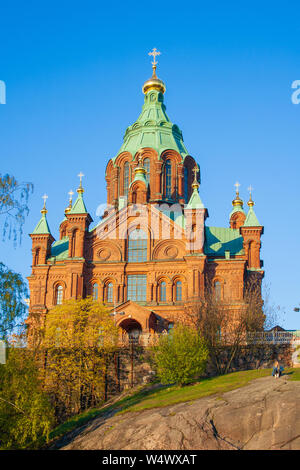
<point>152,251</point>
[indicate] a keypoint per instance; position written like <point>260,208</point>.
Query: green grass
<point>145,398</point>
<point>294,373</point>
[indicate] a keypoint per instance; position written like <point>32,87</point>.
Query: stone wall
<point>131,366</point>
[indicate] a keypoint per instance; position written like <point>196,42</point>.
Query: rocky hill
<point>262,415</point>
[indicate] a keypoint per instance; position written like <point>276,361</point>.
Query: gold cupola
<point>237,200</point>
<point>250,202</point>
<point>154,83</point>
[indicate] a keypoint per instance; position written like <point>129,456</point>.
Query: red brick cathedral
<point>152,251</point>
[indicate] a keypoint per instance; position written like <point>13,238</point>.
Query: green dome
<point>153,129</point>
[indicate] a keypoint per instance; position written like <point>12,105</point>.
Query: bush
<point>181,356</point>
<point>26,417</point>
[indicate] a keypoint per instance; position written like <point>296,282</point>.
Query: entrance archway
<point>131,329</point>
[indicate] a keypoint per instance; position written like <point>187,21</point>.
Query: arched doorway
<point>131,330</point>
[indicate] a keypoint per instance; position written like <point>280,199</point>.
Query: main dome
<point>153,127</point>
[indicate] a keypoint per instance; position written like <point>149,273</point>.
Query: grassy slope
<point>144,398</point>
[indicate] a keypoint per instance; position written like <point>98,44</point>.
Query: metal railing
<point>270,337</point>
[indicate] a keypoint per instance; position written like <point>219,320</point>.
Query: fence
<point>270,337</point>
<point>259,337</point>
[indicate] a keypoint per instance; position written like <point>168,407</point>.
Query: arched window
<point>178,291</point>
<point>137,246</point>
<point>109,292</point>
<point>36,256</point>
<point>59,294</point>
<point>95,291</point>
<point>126,179</point>
<point>217,289</point>
<point>73,241</point>
<point>163,292</point>
<point>147,168</point>
<point>186,184</point>
<point>168,170</point>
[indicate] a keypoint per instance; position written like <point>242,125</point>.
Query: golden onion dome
<point>237,200</point>
<point>154,83</point>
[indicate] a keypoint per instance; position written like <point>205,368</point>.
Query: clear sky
<point>74,72</point>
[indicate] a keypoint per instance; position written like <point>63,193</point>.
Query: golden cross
<point>70,194</point>
<point>195,171</point>
<point>154,53</point>
<point>250,189</point>
<point>237,185</point>
<point>80,176</point>
<point>45,197</point>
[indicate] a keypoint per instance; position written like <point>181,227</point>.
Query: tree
<point>13,290</point>
<point>180,356</point>
<point>13,205</point>
<point>226,328</point>
<point>26,416</point>
<point>78,338</point>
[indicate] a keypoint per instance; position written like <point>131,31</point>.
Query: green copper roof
<point>42,227</point>
<point>154,129</point>
<point>219,239</point>
<point>78,206</point>
<point>60,249</point>
<point>139,176</point>
<point>251,219</point>
<point>195,201</point>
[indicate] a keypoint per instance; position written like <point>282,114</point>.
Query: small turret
<point>64,224</point>
<point>138,187</point>
<point>41,238</point>
<point>237,215</point>
<point>78,223</point>
<point>251,232</point>
<point>195,214</point>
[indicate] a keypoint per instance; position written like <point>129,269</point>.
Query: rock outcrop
<point>262,415</point>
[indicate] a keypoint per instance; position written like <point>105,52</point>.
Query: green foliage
<point>12,292</point>
<point>181,356</point>
<point>78,338</point>
<point>13,205</point>
<point>26,417</point>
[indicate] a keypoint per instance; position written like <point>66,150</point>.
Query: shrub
<point>26,417</point>
<point>180,356</point>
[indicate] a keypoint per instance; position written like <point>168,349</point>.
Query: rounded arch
<point>168,249</point>
<point>106,250</point>
<point>59,292</point>
<point>36,255</point>
<point>172,155</point>
<point>218,288</point>
<point>122,158</point>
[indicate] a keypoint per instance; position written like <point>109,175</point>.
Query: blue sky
<point>74,72</point>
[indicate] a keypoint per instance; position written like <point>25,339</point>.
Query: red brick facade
<point>179,257</point>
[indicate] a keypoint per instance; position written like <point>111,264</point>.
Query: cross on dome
<point>80,190</point>
<point>44,210</point>
<point>237,186</point>
<point>154,53</point>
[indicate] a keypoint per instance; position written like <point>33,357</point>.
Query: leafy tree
<point>78,338</point>
<point>223,327</point>
<point>180,356</point>
<point>26,416</point>
<point>13,205</point>
<point>13,290</point>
